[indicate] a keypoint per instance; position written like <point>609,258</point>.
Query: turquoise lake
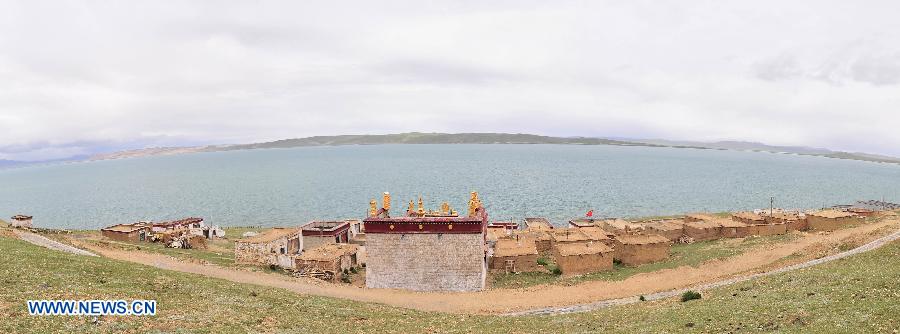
<point>288,187</point>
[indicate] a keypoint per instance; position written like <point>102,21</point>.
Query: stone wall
<point>259,253</point>
<point>425,262</point>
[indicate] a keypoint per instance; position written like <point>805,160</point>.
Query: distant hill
<point>483,138</point>
<point>428,138</point>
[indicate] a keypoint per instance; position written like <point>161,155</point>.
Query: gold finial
<point>373,211</point>
<point>474,204</point>
<point>412,207</point>
<point>387,201</point>
<point>421,207</point>
<point>445,208</point>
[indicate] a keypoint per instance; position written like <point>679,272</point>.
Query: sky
<point>82,77</point>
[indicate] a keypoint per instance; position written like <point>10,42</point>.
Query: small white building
<point>21,221</point>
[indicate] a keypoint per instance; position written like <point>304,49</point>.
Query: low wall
<point>637,254</point>
<point>582,264</point>
<point>522,263</point>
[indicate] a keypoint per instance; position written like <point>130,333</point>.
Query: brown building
<point>127,232</point>
<point>277,246</point>
<point>426,250</point>
<point>830,220</point>
<point>633,250</point>
<point>513,256</point>
<point>319,233</point>
<point>862,212</point>
<point>542,240</point>
<point>582,258</point>
<point>21,221</point>
<point>331,259</point>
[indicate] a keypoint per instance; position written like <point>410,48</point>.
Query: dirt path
<point>51,244</point>
<point>548,298</point>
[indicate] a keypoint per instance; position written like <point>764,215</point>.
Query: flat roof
<point>665,225</point>
<point>747,215</point>
<point>512,247</point>
<point>582,248</point>
<point>271,235</point>
<point>641,239</point>
<point>185,221</point>
<point>125,228</point>
<point>703,224</point>
<point>700,215</point>
<point>594,233</point>
<point>326,226</point>
<point>538,222</point>
<point>568,235</point>
<point>832,214</point>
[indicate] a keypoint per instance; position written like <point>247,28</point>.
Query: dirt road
<point>515,301</point>
<point>51,244</point>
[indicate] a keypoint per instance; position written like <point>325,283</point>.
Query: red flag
<point>590,213</point>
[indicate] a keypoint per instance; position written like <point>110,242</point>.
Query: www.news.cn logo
<point>91,307</point>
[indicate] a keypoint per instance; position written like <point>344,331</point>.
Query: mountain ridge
<point>480,138</point>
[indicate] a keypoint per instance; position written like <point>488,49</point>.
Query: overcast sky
<point>79,77</point>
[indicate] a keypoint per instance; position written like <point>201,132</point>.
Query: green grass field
<point>858,294</point>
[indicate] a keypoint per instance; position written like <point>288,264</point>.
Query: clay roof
<point>582,248</point>
<point>568,235</point>
<point>594,233</point>
<point>665,225</point>
<point>642,239</point>
<point>538,223</point>
<point>620,224</point>
<point>328,252</point>
<point>185,221</point>
<point>325,225</point>
<point>125,228</point>
<point>729,223</point>
<point>832,214</point>
<point>747,215</point>
<point>704,224</point>
<point>497,233</point>
<point>583,222</point>
<point>271,235</point>
<point>700,215</point>
<point>512,247</point>
<point>532,234</point>
<point>21,217</point>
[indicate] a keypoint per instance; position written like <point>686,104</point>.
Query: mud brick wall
<point>425,262</point>
<point>582,264</point>
<point>767,230</point>
<point>702,234</point>
<point>637,254</point>
<point>523,263</point>
<point>816,223</point>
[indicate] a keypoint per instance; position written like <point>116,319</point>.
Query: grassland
<point>858,294</point>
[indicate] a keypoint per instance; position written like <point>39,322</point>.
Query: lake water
<point>287,187</point>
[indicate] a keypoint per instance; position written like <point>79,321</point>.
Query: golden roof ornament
<point>373,210</point>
